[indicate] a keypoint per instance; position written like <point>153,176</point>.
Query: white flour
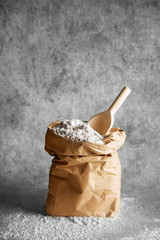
<point>77,130</point>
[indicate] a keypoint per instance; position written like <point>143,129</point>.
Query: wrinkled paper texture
<point>84,178</point>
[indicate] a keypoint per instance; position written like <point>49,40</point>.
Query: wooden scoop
<point>102,122</point>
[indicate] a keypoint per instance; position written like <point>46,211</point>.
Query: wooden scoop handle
<point>119,100</point>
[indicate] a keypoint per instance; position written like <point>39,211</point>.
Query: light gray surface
<point>138,220</point>
<point>69,59</point>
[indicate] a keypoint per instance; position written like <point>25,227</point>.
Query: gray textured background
<point>70,59</point>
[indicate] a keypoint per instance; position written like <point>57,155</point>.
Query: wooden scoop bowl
<point>102,122</point>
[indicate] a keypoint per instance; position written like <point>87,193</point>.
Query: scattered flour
<point>77,130</point>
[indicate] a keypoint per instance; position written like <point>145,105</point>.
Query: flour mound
<point>77,130</point>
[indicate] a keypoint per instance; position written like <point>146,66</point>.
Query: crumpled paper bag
<point>84,178</point>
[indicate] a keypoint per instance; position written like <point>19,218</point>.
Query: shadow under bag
<point>84,178</point>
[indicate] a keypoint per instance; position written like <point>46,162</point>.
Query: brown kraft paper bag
<point>84,178</point>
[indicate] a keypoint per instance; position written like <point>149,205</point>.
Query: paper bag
<point>84,178</point>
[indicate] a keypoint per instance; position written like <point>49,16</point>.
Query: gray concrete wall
<point>69,59</point>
